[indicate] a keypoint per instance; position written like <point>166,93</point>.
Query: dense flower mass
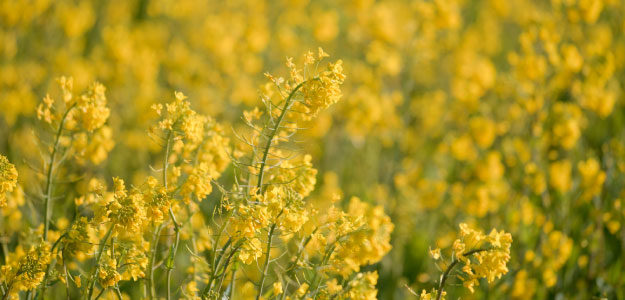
<point>130,233</point>
<point>25,269</point>
<point>491,253</point>
<point>297,149</point>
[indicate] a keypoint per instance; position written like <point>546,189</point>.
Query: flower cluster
<point>180,120</point>
<point>363,236</point>
<point>126,211</point>
<point>491,254</point>
<point>25,269</point>
<point>8,179</point>
<point>319,89</point>
<point>80,238</point>
<point>108,275</point>
<point>481,256</point>
<point>271,220</point>
<point>88,110</point>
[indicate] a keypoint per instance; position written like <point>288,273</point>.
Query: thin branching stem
<point>172,258</point>
<point>266,264</point>
<point>301,249</point>
<point>172,255</point>
<point>97,263</point>
<point>225,268</point>
<point>157,234</point>
<point>50,265</point>
<point>273,133</point>
<point>55,147</point>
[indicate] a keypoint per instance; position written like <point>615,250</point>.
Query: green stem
<point>225,270</point>
<point>273,133</point>
<point>216,265</point>
<point>300,251</point>
<point>50,265</point>
<point>157,234</point>
<point>232,281</point>
<point>118,292</point>
<point>97,263</point>
<point>166,159</point>
<point>266,264</point>
<point>172,259</point>
<point>316,281</point>
<point>151,288</point>
<point>48,201</point>
<point>5,296</point>
<point>67,291</point>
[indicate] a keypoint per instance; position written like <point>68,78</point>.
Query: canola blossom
<point>368,149</point>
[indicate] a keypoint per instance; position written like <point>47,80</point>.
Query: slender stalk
<point>171,260</point>
<point>152,260</point>
<point>118,292</point>
<point>5,296</point>
<point>266,264</point>
<point>303,245</point>
<point>48,200</point>
<point>286,288</point>
<point>97,264</point>
<point>100,294</point>
<point>49,267</point>
<point>150,288</point>
<point>67,292</point>
<point>166,159</point>
<point>232,281</point>
<point>273,133</point>
<point>216,265</point>
<point>316,281</point>
<point>454,262</point>
<point>225,269</point>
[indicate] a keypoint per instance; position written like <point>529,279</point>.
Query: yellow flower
<point>483,256</point>
<point>8,179</point>
<point>573,60</point>
<point>560,175</point>
<point>363,286</point>
<point>436,253</point>
<point>127,212</point>
<point>25,270</point>
<point>79,238</point>
<point>180,121</point>
<point>333,287</point>
<point>462,148</point>
<point>483,131</point>
<point>198,183</point>
<point>318,90</point>
<point>44,110</point>
<point>91,106</point>
<point>277,288</point>
<point>367,233</point>
<point>303,288</point>
<point>592,177</point>
<point>430,296</point>
<point>156,200</point>
<point>107,274</point>
<point>251,251</point>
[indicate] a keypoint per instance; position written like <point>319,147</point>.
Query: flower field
<point>299,149</point>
